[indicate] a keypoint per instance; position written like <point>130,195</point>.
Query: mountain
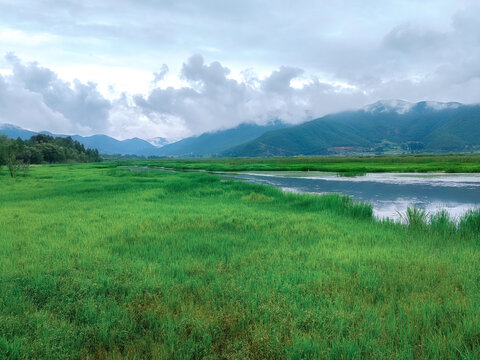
<point>105,144</point>
<point>108,145</point>
<point>158,141</point>
<point>207,144</point>
<point>385,126</point>
<point>214,143</point>
<point>430,126</point>
<point>13,131</point>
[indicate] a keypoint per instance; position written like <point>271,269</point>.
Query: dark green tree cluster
<point>44,149</point>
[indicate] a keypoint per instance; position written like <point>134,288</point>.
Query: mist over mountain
<point>158,141</point>
<point>384,125</point>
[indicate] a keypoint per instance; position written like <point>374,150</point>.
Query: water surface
<point>389,193</point>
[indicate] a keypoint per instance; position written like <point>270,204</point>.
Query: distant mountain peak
<point>158,141</point>
<point>392,105</point>
<point>403,107</point>
<point>438,127</point>
<point>436,105</point>
<point>6,126</point>
<point>104,143</point>
<point>14,131</point>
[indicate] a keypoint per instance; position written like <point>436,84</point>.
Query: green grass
<point>348,166</point>
<point>98,262</point>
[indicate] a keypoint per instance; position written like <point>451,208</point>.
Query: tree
<point>12,164</point>
<point>3,150</point>
<point>41,139</point>
<point>19,154</point>
<point>8,154</point>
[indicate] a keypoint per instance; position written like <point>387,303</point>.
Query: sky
<point>178,68</point>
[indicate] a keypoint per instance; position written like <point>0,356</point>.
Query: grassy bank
<point>348,165</point>
<point>98,262</point>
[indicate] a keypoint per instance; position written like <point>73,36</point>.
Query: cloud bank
<point>36,98</point>
<point>179,68</point>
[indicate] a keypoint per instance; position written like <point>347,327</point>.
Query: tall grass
<point>414,217</point>
<point>347,166</point>
<point>470,224</point>
<point>105,263</point>
<point>442,224</point>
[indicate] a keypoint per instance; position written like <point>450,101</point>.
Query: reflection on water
<point>389,193</point>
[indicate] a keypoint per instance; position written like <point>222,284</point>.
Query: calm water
<point>389,193</point>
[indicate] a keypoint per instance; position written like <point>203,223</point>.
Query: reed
<point>98,262</point>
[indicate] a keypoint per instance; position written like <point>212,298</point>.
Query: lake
<point>389,193</point>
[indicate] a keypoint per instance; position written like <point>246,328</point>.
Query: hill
<point>15,132</point>
<point>108,145</point>
<point>105,144</point>
<point>213,144</point>
<point>383,126</point>
<point>205,145</point>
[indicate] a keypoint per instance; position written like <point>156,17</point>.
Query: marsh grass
<point>104,263</point>
<point>414,217</point>
<point>470,223</point>
<point>344,166</point>
<point>442,223</point>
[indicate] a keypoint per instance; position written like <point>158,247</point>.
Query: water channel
<point>389,193</point>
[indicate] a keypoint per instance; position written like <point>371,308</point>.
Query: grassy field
<point>98,262</point>
<point>346,165</point>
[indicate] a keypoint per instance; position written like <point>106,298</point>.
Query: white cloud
<point>35,97</point>
<point>212,100</point>
<point>126,67</point>
<point>111,81</point>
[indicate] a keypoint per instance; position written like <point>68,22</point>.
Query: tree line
<point>39,149</point>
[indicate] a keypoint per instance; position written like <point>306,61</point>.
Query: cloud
<point>364,45</point>
<point>212,97</point>
<point>411,39</point>
<point>309,35</point>
<point>159,76</point>
<point>279,80</point>
<point>128,120</point>
<point>196,72</point>
<point>53,104</point>
<point>34,78</point>
<point>22,107</point>
<point>212,100</point>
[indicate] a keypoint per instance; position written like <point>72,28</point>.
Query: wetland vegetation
<point>342,165</point>
<point>102,262</point>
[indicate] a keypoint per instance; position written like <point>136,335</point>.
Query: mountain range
<point>105,144</point>
<point>385,126</point>
<point>215,143</point>
<point>432,126</point>
<point>206,145</point>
